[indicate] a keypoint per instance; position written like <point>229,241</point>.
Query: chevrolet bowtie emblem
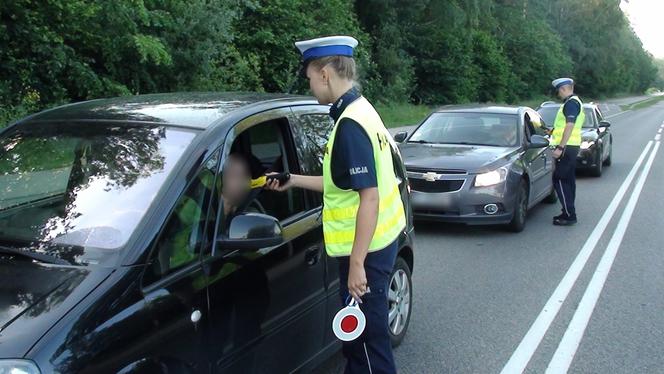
<point>431,176</point>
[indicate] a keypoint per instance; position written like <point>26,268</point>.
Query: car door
<point>267,307</point>
<point>603,135</point>
<point>311,134</point>
<point>173,283</point>
<point>537,161</point>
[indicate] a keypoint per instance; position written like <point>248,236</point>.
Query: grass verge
<point>643,103</point>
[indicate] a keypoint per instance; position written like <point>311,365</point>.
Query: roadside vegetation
<point>413,55</point>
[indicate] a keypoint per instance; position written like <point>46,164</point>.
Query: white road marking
<point>617,114</point>
<point>658,136</point>
<point>528,345</point>
<point>659,131</point>
<point>569,344</point>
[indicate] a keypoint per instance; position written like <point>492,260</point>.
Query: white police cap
<point>327,46</point>
<point>557,83</point>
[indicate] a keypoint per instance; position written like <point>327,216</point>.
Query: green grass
<point>402,114</point>
<point>406,114</point>
<point>643,103</point>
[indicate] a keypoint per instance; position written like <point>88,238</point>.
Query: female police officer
<point>362,210</point>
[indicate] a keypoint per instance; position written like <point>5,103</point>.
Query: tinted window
<point>65,185</point>
<point>469,128</point>
<point>186,230</point>
<point>310,139</point>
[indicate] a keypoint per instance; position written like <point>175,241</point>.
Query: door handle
<point>312,256</point>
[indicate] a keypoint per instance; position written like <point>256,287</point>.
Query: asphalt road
<point>585,300</point>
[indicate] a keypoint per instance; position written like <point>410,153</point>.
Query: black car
<point>478,165</point>
<point>597,140</point>
<point>119,253</point>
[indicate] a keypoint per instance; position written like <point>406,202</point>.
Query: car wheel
<point>607,162</point>
<point>518,222</point>
<point>552,198</point>
<point>400,301</point>
<point>597,170</point>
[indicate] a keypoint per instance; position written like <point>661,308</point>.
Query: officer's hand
<point>557,153</point>
<point>274,184</point>
<point>357,282</point>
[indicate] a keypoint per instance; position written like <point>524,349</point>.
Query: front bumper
<point>464,204</point>
<point>587,158</point>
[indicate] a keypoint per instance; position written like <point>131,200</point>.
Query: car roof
<point>188,109</point>
<point>488,108</point>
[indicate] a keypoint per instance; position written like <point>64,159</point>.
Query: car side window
<point>538,127</point>
<point>599,115</point>
<point>311,139</point>
<point>264,148</point>
<point>529,127</point>
<point>186,231</point>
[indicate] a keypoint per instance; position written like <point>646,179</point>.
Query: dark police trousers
<point>564,180</point>
<point>372,351</point>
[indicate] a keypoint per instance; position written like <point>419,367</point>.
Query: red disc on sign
<point>349,322</point>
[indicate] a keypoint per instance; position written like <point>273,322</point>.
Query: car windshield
<point>548,114</point>
<point>500,130</point>
<point>81,188</point>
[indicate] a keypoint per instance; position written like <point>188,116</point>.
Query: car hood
<point>34,296</point>
<point>470,158</point>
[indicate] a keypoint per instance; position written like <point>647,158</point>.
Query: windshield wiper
<point>419,141</point>
<point>41,257</point>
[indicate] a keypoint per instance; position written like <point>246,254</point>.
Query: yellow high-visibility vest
<point>560,123</point>
<point>340,206</point>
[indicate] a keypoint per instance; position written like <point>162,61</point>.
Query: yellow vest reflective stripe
<point>560,123</point>
<point>340,206</point>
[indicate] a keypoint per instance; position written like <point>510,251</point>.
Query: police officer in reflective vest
<point>363,214</point>
<point>566,138</point>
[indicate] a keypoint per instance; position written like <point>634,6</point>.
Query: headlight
<point>491,178</point>
<point>587,144</point>
<point>18,367</point>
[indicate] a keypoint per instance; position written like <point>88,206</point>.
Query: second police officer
<point>566,138</point>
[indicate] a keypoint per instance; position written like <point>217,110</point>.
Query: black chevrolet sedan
<point>478,165</point>
<point>597,140</point>
<point>131,241</point>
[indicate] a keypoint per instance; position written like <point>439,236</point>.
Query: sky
<point>647,19</point>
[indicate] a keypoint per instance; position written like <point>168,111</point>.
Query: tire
<point>552,198</point>
<point>597,170</point>
<point>518,222</point>
<point>400,301</point>
<point>607,162</point>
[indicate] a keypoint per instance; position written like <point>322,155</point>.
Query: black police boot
<point>560,216</point>
<point>565,221</point>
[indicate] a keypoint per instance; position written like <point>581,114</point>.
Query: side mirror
<point>538,141</point>
<point>400,137</point>
<point>604,124</point>
<point>251,232</point>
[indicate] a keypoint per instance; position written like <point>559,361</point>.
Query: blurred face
<point>319,83</point>
<point>236,181</point>
<point>565,91</point>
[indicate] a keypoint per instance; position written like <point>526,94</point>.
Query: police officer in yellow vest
<point>362,209</point>
<point>566,138</point>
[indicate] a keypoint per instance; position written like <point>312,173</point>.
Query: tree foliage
<point>428,51</point>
